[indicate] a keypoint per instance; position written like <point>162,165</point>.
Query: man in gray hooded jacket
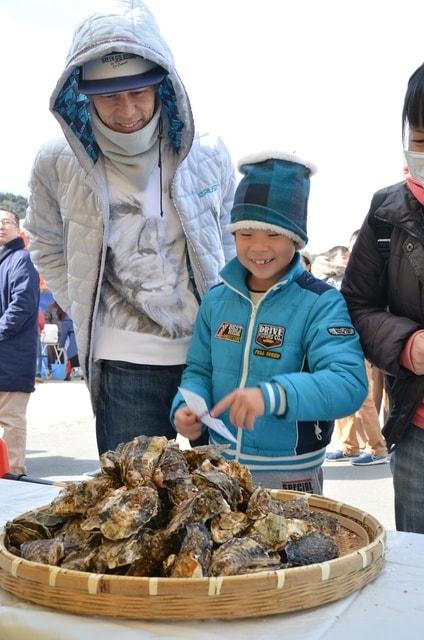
<point>128,216</point>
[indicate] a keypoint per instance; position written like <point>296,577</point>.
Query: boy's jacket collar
<point>235,275</point>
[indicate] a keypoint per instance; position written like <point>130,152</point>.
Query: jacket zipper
<point>190,248</point>
<point>103,206</point>
<point>245,369</point>
<point>215,215</point>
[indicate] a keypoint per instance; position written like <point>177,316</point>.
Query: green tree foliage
<point>12,202</point>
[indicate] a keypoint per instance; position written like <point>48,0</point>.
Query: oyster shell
<point>325,523</point>
<point>225,526</point>
<point>155,546</point>
<point>242,555</point>
<point>262,502</point>
<point>197,455</point>
<point>241,475</point>
<point>181,489</point>
<point>201,507</point>
<point>297,508</point>
<point>274,531</point>
<point>193,559</point>
<point>212,477</point>
<point>73,536</point>
<point>139,457</point>
<point>123,512</point>
<point>80,560</point>
<point>46,551</point>
<point>78,497</point>
<point>313,547</point>
<point>18,532</point>
<point>64,503</point>
<point>172,466</point>
<point>43,516</point>
<point>117,554</point>
<point>109,463</point>
<point>80,546</point>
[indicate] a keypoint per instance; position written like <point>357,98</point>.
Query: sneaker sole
<point>369,464</point>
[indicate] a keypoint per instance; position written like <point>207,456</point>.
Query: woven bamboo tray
<point>361,543</point>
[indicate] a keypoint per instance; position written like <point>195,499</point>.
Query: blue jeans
<point>135,399</point>
<point>39,369</point>
<point>407,463</point>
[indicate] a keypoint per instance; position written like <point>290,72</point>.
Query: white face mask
<point>415,162</point>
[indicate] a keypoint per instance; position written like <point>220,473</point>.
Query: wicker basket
<point>361,542</point>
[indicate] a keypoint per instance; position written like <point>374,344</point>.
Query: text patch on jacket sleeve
<point>341,331</point>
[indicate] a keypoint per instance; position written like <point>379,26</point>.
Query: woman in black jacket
<point>384,289</point>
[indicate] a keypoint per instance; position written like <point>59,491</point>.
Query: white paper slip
<point>199,407</point>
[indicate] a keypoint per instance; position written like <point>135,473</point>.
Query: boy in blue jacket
<point>274,353</point>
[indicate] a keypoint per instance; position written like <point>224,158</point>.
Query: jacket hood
<point>127,26</point>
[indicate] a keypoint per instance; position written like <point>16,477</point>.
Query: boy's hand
<point>187,423</point>
<point>245,406</point>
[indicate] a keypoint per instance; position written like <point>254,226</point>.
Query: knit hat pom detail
<point>263,156</point>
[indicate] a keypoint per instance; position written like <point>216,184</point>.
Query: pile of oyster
<point>156,510</point>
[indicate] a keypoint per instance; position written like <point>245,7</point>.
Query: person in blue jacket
<point>67,341</point>
<point>19,299</point>
<point>274,352</point>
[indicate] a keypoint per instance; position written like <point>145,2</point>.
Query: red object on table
<point>5,473</point>
<point>4,458</point>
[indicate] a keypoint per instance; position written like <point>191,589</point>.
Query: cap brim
<point>124,83</point>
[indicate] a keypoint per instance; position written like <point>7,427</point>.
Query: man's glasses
<point>7,223</point>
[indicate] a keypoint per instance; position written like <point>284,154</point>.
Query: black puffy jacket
<point>386,301</point>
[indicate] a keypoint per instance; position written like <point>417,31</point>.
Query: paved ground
<point>62,445</point>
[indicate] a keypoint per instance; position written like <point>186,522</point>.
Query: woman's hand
<point>187,423</point>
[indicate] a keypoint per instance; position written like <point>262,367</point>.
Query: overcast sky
<point>323,78</point>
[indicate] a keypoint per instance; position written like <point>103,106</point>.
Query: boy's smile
<point>265,254</point>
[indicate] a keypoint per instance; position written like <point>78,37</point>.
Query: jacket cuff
<point>174,410</point>
<point>274,398</point>
<point>405,356</point>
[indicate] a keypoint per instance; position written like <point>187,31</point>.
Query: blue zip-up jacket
<point>19,299</point>
<point>299,336</point>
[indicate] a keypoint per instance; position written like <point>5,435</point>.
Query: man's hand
<point>417,354</point>
<point>187,423</point>
<point>245,406</point>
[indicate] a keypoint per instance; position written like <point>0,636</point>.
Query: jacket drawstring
<point>160,164</point>
<point>318,430</point>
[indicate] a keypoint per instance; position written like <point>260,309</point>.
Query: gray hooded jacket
<point>68,215</point>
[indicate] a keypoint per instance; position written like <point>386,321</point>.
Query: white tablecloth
<point>390,607</point>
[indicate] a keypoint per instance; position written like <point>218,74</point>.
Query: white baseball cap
<point>117,72</point>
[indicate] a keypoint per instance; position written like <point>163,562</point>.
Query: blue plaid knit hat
<point>273,194</point>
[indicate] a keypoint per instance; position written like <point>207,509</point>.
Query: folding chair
<point>50,344</point>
